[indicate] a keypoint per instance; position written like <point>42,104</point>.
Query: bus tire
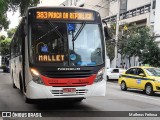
<point>13,84</point>
<point>20,83</point>
<point>27,100</point>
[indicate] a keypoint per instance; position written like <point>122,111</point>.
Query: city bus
<point>59,52</point>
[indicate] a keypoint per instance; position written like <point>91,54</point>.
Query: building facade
<point>102,6</point>
<point>141,12</point>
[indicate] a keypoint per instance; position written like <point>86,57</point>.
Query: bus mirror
<point>107,33</point>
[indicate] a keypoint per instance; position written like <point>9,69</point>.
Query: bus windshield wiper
<point>79,31</point>
<point>54,28</point>
<point>77,34</point>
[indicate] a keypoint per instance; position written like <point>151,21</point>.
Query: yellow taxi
<point>142,77</point>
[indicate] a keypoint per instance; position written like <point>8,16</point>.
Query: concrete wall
<point>131,4</point>
<point>157,21</point>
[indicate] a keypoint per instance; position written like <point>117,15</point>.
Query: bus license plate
<point>69,90</point>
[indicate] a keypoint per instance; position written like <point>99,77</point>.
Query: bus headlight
<point>99,76</point>
<point>36,76</point>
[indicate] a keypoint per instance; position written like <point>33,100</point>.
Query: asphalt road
<point>115,100</point>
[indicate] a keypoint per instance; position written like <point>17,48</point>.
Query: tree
<point>110,45</point>
<point>3,9</point>
<point>11,32</point>
<point>2,37</point>
<point>137,42</point>
<point>4,46</point>
<point>151,53</point>
<point>13,5</point>
<point>22,4</point>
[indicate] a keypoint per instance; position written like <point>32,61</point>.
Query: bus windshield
<point>65,44</point>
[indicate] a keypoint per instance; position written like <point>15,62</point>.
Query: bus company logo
<point>69,69</point>
<point>6,114</point>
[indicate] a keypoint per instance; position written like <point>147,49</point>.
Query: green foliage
<point>11,32</point>
<point>13,5</point>
<point>2,37</point>
<point>137,42</point>
<point>150,54</point>
<point>3,15</point>
<point>110,45</point>
<point>4,46</point>
<point>22,4</point>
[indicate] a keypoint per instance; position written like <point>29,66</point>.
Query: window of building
<point>154,4</point>
<point>123,6</point>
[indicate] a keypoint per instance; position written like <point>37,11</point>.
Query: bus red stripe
<point>68,81</point>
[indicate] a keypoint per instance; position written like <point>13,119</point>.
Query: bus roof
<point>61,7</point>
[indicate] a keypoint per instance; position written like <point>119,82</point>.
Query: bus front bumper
<point>38,91</point>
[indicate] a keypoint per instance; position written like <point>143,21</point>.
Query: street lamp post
<point>117,33</point>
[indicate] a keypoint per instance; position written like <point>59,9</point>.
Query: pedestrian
<point>124,66</point>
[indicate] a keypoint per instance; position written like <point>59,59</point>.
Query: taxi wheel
<point>149,89</point>
<point>123,86</point>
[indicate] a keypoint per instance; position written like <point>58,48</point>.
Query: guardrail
<point>131,13</point>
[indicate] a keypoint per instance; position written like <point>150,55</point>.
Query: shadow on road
<point>61,105</point>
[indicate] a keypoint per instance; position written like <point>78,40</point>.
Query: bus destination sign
<point>65,15</point>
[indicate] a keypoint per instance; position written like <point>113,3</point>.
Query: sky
<point>51,2</point>
<point>15,17</point>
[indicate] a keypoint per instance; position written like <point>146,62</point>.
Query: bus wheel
<point>13,85</point>
<point>21,84</point>
<point>27,100</point>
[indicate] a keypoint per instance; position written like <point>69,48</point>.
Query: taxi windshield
<point>153,71</point>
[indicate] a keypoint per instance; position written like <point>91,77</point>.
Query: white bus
<point>59,52</point>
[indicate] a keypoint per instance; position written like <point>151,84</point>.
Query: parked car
<point>114,73</point>
<point>142,78</point>
<point>5,63</point>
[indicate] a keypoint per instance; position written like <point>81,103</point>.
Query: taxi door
<point>130,77</point>
<point>141,80</point>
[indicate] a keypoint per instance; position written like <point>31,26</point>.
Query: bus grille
<point>67,74</point>
<point>60,92</point>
